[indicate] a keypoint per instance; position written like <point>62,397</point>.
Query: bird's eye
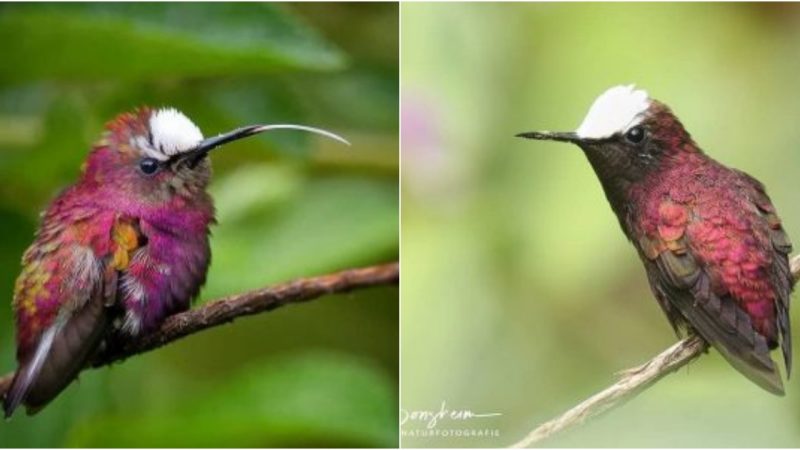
<point>635,135</point>
<point>149,166</point>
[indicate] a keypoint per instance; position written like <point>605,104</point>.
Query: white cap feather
<point>615,111</point>
<point>173,132</point>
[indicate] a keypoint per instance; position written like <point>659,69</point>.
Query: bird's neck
<point>617,191</point>
<point>615,182</point>
<point>626,193</point>
<point>177,214</point>
<point>181,218</point>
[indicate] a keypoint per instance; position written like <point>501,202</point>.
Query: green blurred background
<point>289,205</point>
<point>520,294</point>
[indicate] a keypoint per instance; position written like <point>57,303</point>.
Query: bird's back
<point>717,258</point>
<point>58,299</point>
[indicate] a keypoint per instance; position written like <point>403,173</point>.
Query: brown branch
<point>631,383</point>
<point>227,309</point>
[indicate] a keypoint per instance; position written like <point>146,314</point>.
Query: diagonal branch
<point>631,383</point>
<point>227,309</point>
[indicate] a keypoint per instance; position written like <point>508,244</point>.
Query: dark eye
<point>635,135</point>
<point>149,166</point>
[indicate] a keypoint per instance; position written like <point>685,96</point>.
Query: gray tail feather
<point>61,354</point>
<point>29,371</point>
<point>768,378</point>
<point>14,395</point>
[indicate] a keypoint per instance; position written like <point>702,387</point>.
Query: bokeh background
<point>520,294</point>
<point>289,205</point>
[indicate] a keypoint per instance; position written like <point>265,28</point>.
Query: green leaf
<point>319,225</point>
<point>85,41</point>
<point>333,96</point>
<point>16,230</point>
<point>315,399</point>
<point>54,160</point>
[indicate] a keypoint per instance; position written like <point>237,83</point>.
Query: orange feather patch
<point>126,239</point>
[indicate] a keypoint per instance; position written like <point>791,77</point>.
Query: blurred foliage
<point>315,400</point>
<point>289,205</point>
<point>520,294</point>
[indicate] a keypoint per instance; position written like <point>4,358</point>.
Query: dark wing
<point>687,281</point>
<point>87,285</point>
<point>781,273</point>
<point>61,353</point>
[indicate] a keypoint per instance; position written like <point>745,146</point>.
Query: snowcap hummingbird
<point>712,244</point>
<point>118,251</point>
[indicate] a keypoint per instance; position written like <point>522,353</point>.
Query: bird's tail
<point>765,375</point>
<point>29,371</point>
<point>63,350</point>
<point>746,350</point>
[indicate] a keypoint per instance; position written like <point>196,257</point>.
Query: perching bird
<point>711,242</point>
<point>117,252</point>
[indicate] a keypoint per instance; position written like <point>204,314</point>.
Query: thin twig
<point>631,383</point>
<point>227,309</point>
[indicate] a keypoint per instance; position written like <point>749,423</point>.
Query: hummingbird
<point>712,245</point>
<point>119,251</point>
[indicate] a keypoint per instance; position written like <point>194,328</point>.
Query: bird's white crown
<point>615,111</point>
<point>172,132</point>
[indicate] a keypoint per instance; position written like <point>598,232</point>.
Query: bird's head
<point>626,134</point>
<point>158,154</point>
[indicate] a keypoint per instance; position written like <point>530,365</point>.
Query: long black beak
<point>552,136</point>
<point>196,154</point>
